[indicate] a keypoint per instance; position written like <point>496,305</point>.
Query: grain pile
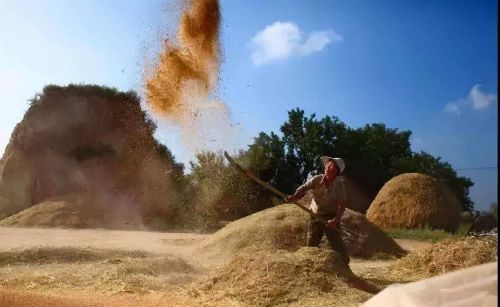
<point>415,200</point>
<point>285,227</point>
<point>308,276</point>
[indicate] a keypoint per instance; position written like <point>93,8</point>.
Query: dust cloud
<point>180,88</point>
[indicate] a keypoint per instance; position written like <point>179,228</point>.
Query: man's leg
<point>337,243</point>
<point>315,231</point>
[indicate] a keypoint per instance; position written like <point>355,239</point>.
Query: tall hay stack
<point>415,200</point>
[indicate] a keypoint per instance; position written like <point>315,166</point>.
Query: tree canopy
<point>373,155</point>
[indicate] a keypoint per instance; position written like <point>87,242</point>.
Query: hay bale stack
<point>284,278</point>
<point>447,256</point>
<point>415,200</point>
<point>285,227</point>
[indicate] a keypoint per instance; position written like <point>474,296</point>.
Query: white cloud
<point>452,107</point>
<point>477,100</point>
<point>282,40</point>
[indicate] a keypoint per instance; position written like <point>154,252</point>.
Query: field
<point>94,267</point>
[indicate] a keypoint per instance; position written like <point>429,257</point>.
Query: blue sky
<point>425,66</point>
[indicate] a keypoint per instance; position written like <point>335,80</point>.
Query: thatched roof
<point>415,200</point>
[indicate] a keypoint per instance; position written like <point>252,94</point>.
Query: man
<point>329,201</point>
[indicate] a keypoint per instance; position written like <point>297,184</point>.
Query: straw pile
<point>415,201</point>
<point>64,214</point>
<point>285,227</point>
<point>446,256</point>
<point>47,214</point>
<point>282,227</point>
<point>283,278</point>
<point>365,240</point>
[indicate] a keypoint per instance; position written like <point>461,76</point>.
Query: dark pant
<point>315,231</point>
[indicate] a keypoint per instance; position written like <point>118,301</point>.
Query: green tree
<point>373,154</point>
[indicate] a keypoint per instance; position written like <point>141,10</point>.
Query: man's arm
<point>301,191</point>
<point>296,196</point>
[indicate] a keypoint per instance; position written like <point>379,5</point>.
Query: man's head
<point>333,166</point>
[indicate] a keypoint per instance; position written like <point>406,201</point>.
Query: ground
<point>93,267</point>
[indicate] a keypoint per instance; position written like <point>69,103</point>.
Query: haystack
<point>285,227</point>
<point>93,143</point>
<point>415,200</point>
<point>309,275</point>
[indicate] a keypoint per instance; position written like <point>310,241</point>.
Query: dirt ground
<point>113,268</point>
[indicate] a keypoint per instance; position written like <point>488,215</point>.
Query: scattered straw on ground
<point>450,255</point>
<point>442,257</point>
<point>41,255</point>
<point>103,271</point>
<point>415,200</point>
<point>308,275</point>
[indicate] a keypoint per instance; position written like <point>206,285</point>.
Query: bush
<point>218,193</point>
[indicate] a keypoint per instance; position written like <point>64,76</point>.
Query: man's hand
<point>332,224</point>
<point>290,198</point>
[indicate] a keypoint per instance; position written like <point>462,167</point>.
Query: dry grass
<point>415,201</point>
